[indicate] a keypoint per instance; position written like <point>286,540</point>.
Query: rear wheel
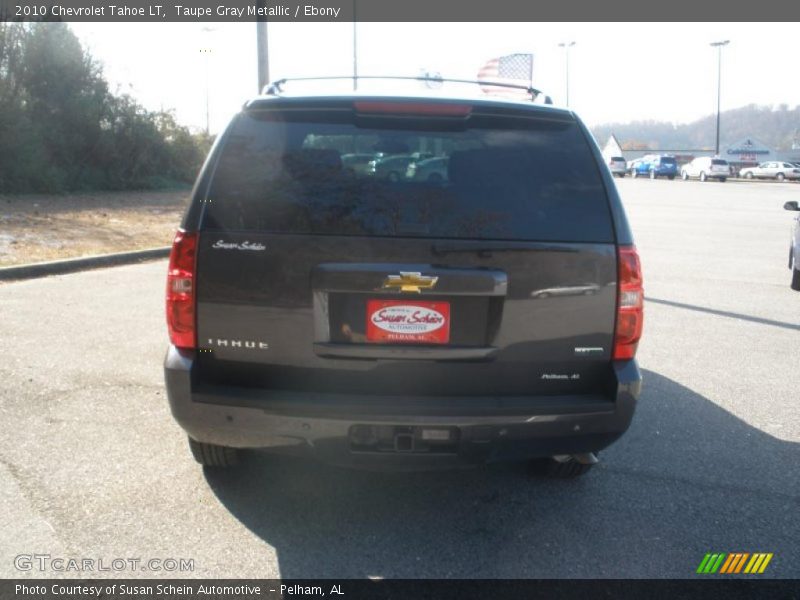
<point>684,175</point>
<point>634,173</point>
<point>653,174</point>
<point>670,177</point>
<point>780,176</point>
<point>211,455</point>
<point>748,175</point>
<point>795,275</point>
<point>703,176</point>
<point>559,467</point>
<point>621,175</point>
<point>723,179</point>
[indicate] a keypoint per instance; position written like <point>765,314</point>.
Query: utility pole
<point>566,46</point>
<point>262,48</point>
<point>718,46</point>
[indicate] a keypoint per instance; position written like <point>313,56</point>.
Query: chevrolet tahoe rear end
<point>490,315</point>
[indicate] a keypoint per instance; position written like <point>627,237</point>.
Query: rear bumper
<point>332,427</point>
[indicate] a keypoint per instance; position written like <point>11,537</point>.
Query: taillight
<point>630,304</point>
<point>181,290</point>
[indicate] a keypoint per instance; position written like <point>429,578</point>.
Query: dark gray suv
<point>404,324</point>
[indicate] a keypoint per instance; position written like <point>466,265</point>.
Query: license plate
<point>408,321</point>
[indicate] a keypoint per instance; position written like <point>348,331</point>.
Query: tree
<point>61,129</point>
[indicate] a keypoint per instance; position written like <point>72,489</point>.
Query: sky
<point>618,72</point>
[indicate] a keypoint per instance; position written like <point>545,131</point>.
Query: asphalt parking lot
<point>92,465</point>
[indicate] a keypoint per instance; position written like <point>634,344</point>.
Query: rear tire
<point>670,177</point>
<point>634,173</point>
<point>795,285</point>
<point>702,175</point>
<point>653,175</point>
<point>211,455</point>
<point>748,175</point>
<point>780,176</point>
<point>684,175</point>
<point>723,179</point>
<point>556,469</point>
<point>622,175</point>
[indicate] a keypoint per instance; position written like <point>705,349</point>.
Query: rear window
<point>667,160</point>
<point>617,159</point>
<point>719,161</point>
<point>297,172</point>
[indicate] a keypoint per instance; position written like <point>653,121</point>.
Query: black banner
<point>528,589</point>
<point>134,11</point>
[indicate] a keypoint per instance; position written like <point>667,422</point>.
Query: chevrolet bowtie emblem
<point>409,282</point>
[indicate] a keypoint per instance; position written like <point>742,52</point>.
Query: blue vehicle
<point>655,165</point>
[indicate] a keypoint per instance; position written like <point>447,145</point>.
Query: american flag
<point>513,68</point>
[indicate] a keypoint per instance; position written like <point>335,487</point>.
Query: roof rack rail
<point>274,88</point>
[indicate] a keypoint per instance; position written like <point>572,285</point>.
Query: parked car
<point>432,170</point>
<point>390,168</point>
<point>376,326</point>
<point>794,245</point>
<point>777,170</point>
<point>706,167</point>
<point>356,164</point>
<point>617,166</point>
<point>633,164</point>
<point>655,166</point>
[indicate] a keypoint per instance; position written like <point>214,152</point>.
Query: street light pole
<point>207,52</point>
<point>718,46</point>
<point>567,46</point>
<point>355,50</point>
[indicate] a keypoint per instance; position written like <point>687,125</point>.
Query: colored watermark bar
<point>734,562</point>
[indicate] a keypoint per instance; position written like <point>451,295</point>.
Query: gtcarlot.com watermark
<point>60,564</point>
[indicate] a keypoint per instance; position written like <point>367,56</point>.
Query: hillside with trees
<point>62,129</point>
<point>777,127</point>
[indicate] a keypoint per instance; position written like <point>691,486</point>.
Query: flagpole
<point>530,76</point>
